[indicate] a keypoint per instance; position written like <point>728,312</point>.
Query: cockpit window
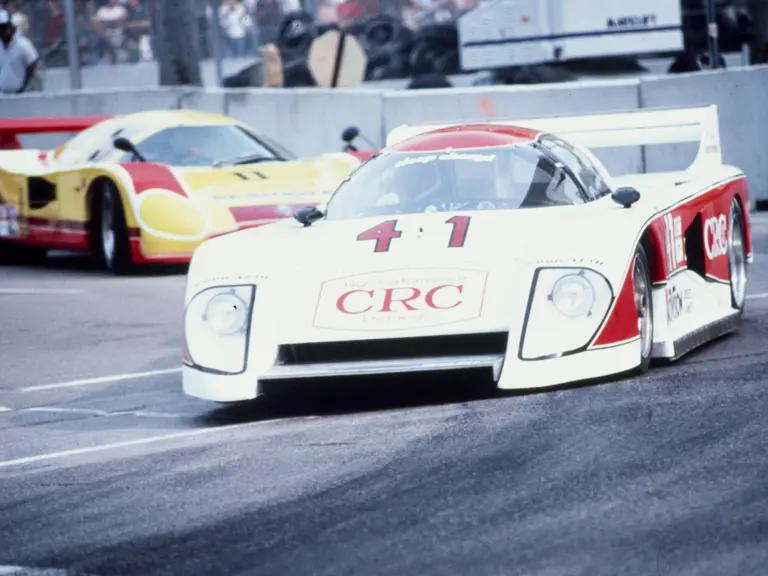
<point>500,178</point>
<point>204,145</point>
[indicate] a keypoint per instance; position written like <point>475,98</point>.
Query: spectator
<point>235,22</point>
<point>268,15</point>
<point>137,30</point>
<point>91,47</point>
<point>18,58</point>
<point>109,22</point>
<point>18,19</point>
<point>54,52</point>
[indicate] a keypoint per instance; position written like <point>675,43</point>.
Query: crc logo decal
<point>716,236</point>
<point>674,243</point>
<point>400,299</point>
<point>679,302</point>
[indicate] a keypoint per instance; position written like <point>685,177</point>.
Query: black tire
<point>737,257</point>
<point>108,215</point>
<point>13,254</point>
<point>684,63</point>
<point>646,349</point>
<point>428,81</point>
<point>295,35</point>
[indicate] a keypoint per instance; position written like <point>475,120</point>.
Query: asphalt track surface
<point>103,471</point>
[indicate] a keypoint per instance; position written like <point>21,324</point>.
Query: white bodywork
<point>502,33</point>
<point>300,273</point>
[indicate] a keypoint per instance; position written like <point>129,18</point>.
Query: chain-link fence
<point>402,38</point>
<point>121,31</point>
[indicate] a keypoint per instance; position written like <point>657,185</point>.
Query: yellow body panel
<point>168,210</point>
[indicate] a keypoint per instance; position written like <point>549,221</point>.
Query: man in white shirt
<point>235,21</point>
<point>18,58</point>
<point>110,21</point>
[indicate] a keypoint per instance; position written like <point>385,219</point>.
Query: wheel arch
<point>654,247</point>
<point>742,197</point>
<point>92,193</point>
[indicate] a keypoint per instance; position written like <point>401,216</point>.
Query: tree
<point>177,41</point>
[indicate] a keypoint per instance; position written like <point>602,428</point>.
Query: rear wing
<point>12,128</point>
<point>616,129</point>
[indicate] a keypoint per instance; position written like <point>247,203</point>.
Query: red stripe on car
<point>148,176</point>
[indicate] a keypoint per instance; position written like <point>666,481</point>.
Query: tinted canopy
<point>501,178</point>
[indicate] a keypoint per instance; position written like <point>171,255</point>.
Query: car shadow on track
<point>355,395</point>
<point>329,397</point>
<point>376,394</point>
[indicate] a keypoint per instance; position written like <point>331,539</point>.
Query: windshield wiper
<point>245,159</point>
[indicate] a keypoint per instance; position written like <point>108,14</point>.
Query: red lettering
<point>383,234</point>
<point>389,298</point>
<point>340,303</point>
<point>460,227</point>
<point>387,231</point>
<point>430,296</point>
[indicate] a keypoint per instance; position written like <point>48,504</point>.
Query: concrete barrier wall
<point>310,121</point>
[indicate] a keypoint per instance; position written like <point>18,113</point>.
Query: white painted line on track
<point>30,571</point>
<point>757,296</point>
<point>5,409</point>
<point>101,380</point>
<point>28,291</point>
<point>125,444</point>
<point>94,412</point>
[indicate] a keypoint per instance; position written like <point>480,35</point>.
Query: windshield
<point>501,178</point>
<point>204,145</point>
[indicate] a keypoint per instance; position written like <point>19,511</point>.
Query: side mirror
<point>122,143</point>
<point>348,135</point>
<point>307,215</point>
<point>625,196</point>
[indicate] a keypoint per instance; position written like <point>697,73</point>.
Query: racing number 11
<point>387,231</point>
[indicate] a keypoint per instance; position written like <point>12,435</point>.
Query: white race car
<point>499,247</point>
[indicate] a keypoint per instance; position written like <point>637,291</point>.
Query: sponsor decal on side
<point>400,299</point>
<point>716,236</point>
<point>679,302</point>
<point>568,261</point>
<point>674,243</point>
<point>636,21</point>
<point>231,280</point>
<point>9,221</point>
<point>445,156</point>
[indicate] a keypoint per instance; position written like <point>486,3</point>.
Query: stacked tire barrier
<point>393,50</point>
<point>310,120</point>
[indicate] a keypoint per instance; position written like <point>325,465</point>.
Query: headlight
<point>573,295</point>
<point>566,309</point>
<point>226,313</point>
<point>216,327</point>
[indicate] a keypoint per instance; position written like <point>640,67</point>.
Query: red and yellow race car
<point>149,187</point>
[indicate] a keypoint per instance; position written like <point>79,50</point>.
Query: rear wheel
<point>641,282</point>
<point>737,257</point>
<point>109,231</point>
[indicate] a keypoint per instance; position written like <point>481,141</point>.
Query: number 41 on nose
<point>384,233</point>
